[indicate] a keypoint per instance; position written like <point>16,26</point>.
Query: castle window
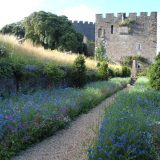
<point>99,33</point>
<point>138,66</point>
<point>111,29</point>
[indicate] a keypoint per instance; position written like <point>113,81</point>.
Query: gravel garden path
<point>72,142</point>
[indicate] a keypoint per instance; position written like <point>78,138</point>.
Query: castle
<point>86,28</point>
<point>127,36</point>
<point>124,35</point>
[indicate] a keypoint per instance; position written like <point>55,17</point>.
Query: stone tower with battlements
<point>85,28</point>
<point>127,35</point>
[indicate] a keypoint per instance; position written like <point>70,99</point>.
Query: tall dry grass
<point>27,53</point>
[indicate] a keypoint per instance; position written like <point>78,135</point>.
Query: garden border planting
<point>28,119</point>
<point>130,127</point>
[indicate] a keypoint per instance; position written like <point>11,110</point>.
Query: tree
<point>52,31</point>
<point>15,28</point>
<point>79,71</point>
<point>103,70</point>
<point>100,52</point>
<point>154,74</point>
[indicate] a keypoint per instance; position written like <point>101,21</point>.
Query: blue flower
<point>91,156</point>
<point>90,149</point>
<point>105,152</point>
<point>1,117</point>
<point>99,148</point>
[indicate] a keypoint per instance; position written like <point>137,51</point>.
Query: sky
<point>80,10</point>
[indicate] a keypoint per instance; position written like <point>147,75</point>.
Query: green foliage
<point>143,73</point>
<point>117,72</point>
<point>79,72</point>
<point>53,72</point>
<point>6,69</point>
<point>90,47</point>
<point>15,28</point>
<point>71,41</point>
<point>126,71</point>
<point>92,75</point>
<point>111,72</point>
<point>3,51</point>
<point>154,75</point>
<point>100,52</point>
<point>35,134</point>
<point>128,60</point>
<point>125,22</point>
<point>157,57</point>
<point>122,71</point>
<point>46,115</point>
<point>18,71</point>
<point>9,69</point>
<point>130,127</point>
<point>103,70</point>
<point>52,31</point>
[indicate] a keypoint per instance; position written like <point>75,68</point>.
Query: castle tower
<point>127,35</point>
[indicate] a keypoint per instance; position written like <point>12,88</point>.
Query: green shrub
<point>6,69</point>
<point>100,52</point>
<point>143,73</point>
<point>18,71</point>
<point>53,72</point>
<point>92,75</point>
<point>157,57</point>
<point>111,72</point>
<point>125,71</point>
<point>15,28</point>
<point>3,51</point>
<point>79,72</point>
<point>90,47</point>
<point>103,70</point>
<point>154,75</point>
<point>128,60</point>
<point>117,72</point>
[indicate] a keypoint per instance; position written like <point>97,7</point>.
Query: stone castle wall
<point>85,28</point>
<point>137,37</point>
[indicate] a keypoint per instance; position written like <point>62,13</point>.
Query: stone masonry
<point>127,36</point>
<point>85,28</point>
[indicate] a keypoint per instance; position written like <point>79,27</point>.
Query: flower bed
<point>131,126</point>
<point>26,119</point>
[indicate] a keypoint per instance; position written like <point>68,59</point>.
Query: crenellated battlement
<point>132,16</point>
<point>127,34</point>
<point>83,23</point>
<point>86,28</point>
